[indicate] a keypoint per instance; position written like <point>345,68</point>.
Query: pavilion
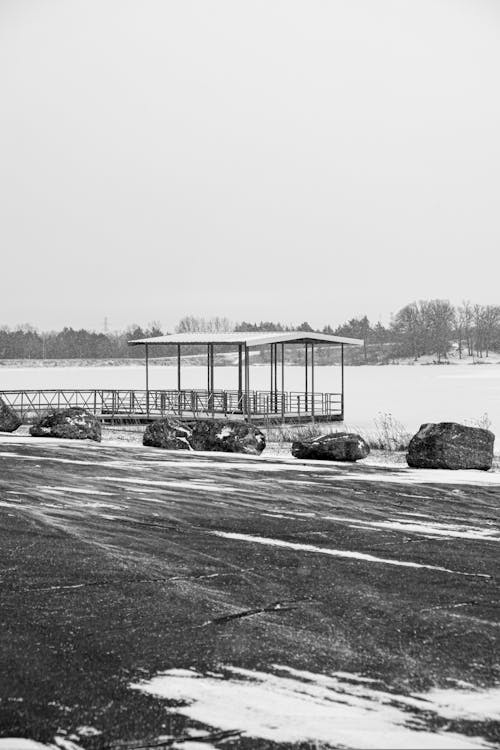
<point>243,402</point>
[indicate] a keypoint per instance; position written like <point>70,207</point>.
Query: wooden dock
<point>116,406</point>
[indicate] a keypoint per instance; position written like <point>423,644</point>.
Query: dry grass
<point>287,433</point>
<point>387,435</point>
<point>483,421</point>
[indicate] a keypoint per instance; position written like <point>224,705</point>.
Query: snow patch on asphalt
<point>436,529</point>
<point>338,553</point>
<point>474,705</point>
<point>426,476</point>
<point>342,709</point>
<point>175,484</point>
<point>77,490</point>
<point>423,527</point>
<point>23,743</point>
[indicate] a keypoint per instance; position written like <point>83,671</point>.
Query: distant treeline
<point>429,327</point>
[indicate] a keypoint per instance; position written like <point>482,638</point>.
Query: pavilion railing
<point>123,403</point>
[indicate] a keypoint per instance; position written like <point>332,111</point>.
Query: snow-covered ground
<point>413,395</point>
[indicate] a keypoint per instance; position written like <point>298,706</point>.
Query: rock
<point>205,435</point>
<point>9,419</point>
<point>227,436</point>
<point>73,423</point>
<point>448,445</point>
<point>336,446</point>
<point>169,434</point>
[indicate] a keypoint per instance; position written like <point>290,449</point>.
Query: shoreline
<point>197,360</point>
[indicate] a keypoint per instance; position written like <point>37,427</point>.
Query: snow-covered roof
<point>249,339</point>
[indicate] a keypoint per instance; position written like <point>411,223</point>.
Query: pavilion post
<point>212,378</point>
<point>247,383</point>
<point>307,373</point>
<point>275,377</point>
<point>342,380</point>
<point>208,368</point>
<point>312,380</point>
<point>147,379</point>
<point>282,382</point>
<point>179,396</point>
<point>271,360</point>
<point>240,375</point>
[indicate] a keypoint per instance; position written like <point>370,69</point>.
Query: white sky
<point>258,159</point>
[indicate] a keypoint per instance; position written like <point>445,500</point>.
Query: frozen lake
<point>412,394</point>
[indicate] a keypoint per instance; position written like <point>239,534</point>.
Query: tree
<point>408,330</point>
<point>439,318</point>
<point>465,315</point>
<point>305,327</point>
<point>191,324</point>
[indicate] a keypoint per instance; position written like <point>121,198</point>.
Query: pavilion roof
<point>260,338</point>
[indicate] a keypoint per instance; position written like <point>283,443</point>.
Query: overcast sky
<point>258,159</point>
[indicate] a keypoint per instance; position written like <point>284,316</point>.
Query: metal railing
<point>137,404</point>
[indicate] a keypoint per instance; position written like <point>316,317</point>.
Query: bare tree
<point>191,324</point>
<point>407,327</point>
<point>486,324</point>
<point>439,320</point>
<point>466,318</point>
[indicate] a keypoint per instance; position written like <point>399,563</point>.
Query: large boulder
<point>227,436</point>
<point>205,435</point>
<point>169,434</point>
<point>335,446</point>
<point>9,419</point>
<point>73,423</point>
<point>448,445</point>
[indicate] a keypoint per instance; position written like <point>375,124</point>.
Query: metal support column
<point>212,378</point>
<point>342,379</point>
<point>179,397</point>
<point>282,382</point>
<point>247,383</point>
<point>208,368</point>
<point>312,380</point>
<point>271,353</point>
<point>178,367</point>
<point>240,375</point>
<point>275,377</point>
<point>307,384</point>
<point>147,380</point>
